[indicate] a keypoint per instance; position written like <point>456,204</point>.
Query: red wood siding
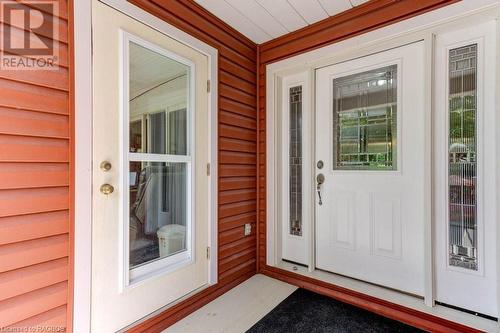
<point>237,130</point>
<point>35,180</point>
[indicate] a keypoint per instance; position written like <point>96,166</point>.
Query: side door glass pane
<point>295,163</point>
<point>462,154</point>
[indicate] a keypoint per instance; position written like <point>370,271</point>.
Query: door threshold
<point>405,300</point>
<point>294,264</point>
<point>476,314</point>
<point>370,283</point>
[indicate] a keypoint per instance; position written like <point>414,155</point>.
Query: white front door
<point>150,185</point>
<point>465,161</point>
<point>369,149</point>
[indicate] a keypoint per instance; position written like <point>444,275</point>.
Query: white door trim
<point>83,145</point>
<point>82,261</point>
<point>422,27</point>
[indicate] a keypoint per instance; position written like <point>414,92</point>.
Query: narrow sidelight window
<point>295,160</point>
<point>365,120</point>
<point>462,154</point>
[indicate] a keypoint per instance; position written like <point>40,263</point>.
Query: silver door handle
<point>320,179</point>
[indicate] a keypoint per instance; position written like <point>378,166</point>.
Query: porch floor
<point>242,307</point>
<point>238,309</point>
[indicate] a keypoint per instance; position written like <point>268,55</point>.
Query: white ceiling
<point>263,20</point>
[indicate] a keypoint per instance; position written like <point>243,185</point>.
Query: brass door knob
<point>107,189</point>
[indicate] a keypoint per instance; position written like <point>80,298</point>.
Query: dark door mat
<point>304,311</point>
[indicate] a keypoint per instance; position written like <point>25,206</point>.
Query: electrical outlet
<point>248,229</point>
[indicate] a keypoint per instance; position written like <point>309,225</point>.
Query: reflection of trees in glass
<point>462,158</point>
<point>366,137</point>
<point>463,117</point>
<point>365,120</point>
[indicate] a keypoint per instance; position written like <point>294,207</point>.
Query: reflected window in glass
<point>157,211</point>
<point>158,93</point>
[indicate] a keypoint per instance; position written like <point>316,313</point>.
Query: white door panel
<point>150,107</point>
<point>370,223</point>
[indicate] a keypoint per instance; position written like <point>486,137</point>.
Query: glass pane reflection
<point>158,208</point>
<point>365,120</point>
<point>295,152</point>
<point>158,92</point>
<point>462,154</point>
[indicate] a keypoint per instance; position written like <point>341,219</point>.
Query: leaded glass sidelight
<point>365,120</point>
<point>462,154</point>
<point>295,160</point>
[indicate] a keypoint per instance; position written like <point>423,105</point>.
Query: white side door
<point>369,148</point>
<point>150,186</point>
<point>466,162</point>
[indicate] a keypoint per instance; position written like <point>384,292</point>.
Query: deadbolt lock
<point>107,189</point>
<point>105,166</point>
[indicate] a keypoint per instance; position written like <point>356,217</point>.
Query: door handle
<point>106,189</point>
<point>320,179</point>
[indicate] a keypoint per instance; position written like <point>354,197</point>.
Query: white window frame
<point>82,232</point>
<point>176,261</point>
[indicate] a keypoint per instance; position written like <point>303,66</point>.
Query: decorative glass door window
<point>365,120</point>
<point>462,153</point>
<point>295,160</point>
<point>159,159</point>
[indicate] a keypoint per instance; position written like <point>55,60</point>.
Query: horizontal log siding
<point>35,217</point>
<point>237,141</point>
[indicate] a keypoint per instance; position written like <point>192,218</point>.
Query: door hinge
<point>208,252</point>
<point>208,86</point>
<point>208,169</point>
